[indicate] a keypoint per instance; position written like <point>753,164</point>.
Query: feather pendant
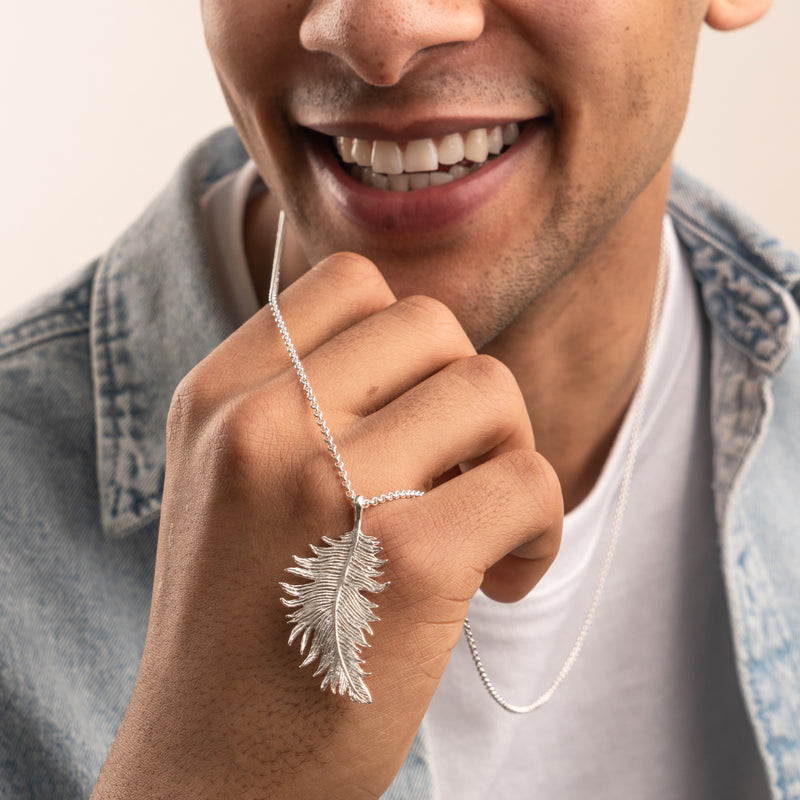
<point>332,616</point>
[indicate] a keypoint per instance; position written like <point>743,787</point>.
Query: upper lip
<point>418,129</point>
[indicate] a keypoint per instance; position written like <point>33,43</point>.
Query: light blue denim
<point>86,378</point>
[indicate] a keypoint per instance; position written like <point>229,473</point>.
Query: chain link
<point>309,392</point>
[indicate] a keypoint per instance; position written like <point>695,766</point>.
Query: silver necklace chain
<point>639,403</point>
<point>622,499</point>
<point>309,392</point>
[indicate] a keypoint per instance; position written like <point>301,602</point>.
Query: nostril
<point>378,41</point>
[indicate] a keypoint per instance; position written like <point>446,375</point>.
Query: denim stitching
<point>64,315</point>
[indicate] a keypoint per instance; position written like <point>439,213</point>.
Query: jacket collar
<point>750,283</point>
<point>157,310</point>
<point>155,314</point>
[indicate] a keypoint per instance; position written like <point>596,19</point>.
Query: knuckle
<point>244,433</point>
<point>492,379</point>
<point>188,406</point>
<point>428,308</point>
<point>523,466</point>
<point>431,317</point>
<point>488,369</point>
<point>530,477</point>
<point>357,284</point>
<point>348,270</point>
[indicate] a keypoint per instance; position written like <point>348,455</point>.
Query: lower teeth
<point>411,181</point>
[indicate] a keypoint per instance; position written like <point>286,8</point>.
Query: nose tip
<point>378,39</point>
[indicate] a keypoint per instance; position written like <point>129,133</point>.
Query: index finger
<point>340,291</point>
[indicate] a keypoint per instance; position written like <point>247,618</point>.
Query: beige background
<point>101,99</point>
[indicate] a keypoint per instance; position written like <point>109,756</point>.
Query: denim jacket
<point>86,378</point>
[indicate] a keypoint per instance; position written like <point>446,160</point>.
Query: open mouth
<point>410,166</point>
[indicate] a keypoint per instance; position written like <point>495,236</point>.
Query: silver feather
<point>332,616</point>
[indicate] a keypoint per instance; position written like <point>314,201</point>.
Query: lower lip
<point>424,210</point>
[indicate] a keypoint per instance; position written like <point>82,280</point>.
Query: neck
<point>577,352</point>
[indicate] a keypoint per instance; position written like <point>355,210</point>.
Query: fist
<point>220,704</point>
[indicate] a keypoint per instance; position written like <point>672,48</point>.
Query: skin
<point>220,708</point>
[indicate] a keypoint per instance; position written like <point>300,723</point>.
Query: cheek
<point>251,42</point>
<point>610,57</point>
<point>254,46</point>
<point>628,82</point>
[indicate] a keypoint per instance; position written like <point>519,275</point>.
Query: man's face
<point>597,88</point>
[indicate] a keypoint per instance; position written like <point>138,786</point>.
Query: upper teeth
<point>386,158</point>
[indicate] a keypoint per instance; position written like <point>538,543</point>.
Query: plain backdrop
<point>102,98</point>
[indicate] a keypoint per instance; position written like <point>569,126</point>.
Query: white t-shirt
<point>223,206</point>
<point>652,708</point>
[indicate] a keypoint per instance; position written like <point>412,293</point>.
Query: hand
<point>220,708</point>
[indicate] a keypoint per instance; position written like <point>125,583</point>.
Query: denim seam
<point>111,414</point>
<point>779,279</point>
<point>737,610</point>
<point>109,411</point>
<point>43,339</point>
<point>780,646</point>
<point>784,331</point>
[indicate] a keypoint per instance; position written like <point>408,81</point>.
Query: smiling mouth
<point>419,164</point>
